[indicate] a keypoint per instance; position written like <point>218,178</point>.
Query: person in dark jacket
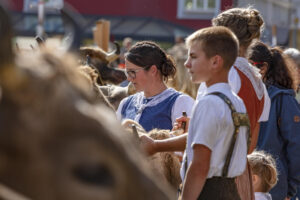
<point>280,135</point>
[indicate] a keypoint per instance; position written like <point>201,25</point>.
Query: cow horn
<point>73,24</point>
<point>6,35</point>
<point>112,56</point>
<point>40,41</point>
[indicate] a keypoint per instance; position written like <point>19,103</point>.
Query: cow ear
<point>112,56</point>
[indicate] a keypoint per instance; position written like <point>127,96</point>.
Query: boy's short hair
<point>217,40</point>
<point>263,165</point>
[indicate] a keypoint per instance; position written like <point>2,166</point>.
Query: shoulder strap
<point>239,119</point>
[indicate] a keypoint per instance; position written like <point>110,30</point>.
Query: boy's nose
<point>187,64</point>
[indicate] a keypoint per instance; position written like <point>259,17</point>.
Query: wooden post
<point>101,34</point>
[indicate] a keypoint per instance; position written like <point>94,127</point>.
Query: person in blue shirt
<point>148,67</point>
<point>280,135</point>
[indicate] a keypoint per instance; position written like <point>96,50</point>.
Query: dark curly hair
<point>281,70</point>
<point>147,53</point>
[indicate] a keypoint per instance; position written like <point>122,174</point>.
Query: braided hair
<point>246,23</point>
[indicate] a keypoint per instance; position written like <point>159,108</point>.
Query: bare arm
<point>197,172</point>
<point>171,144</point>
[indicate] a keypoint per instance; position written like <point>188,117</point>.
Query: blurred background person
<point>264,174</point>
<point>280,136</point>
<point>295,55</point>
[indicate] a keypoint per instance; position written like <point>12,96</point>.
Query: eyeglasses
<point>132,73</point>
<point>256,64</point>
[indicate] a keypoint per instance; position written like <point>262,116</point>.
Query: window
<point>198,9</point>
<point>31,5</point>
<point>200,5</point>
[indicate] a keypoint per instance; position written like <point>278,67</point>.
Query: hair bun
<point>255,21</point>
<point>168,67</point>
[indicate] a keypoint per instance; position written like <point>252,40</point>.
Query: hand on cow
<point>148,144</point>
<point>181,123</point>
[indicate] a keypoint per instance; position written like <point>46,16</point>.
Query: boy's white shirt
<point>262,196</point>
<point>211,125</point>
<point>234,81</point>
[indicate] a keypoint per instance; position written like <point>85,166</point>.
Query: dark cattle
<point>100,60</point>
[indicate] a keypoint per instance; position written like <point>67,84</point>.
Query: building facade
<point>280,20</point>
<point>160,20</point>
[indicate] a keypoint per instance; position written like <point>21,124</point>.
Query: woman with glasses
<point>155,105</point>
<point>280,135</point>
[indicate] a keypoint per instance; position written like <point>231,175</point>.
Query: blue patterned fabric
<point>153,112</point>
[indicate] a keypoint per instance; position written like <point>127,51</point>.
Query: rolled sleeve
<point>205,133</point>
<point>183,103</point>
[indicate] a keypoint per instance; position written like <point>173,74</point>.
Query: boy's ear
<point>217,62</point>
<point>256,181</point>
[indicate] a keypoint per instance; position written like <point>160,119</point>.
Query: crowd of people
<point>242,132</point>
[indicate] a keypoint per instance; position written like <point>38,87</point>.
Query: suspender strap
<point>239,119</point>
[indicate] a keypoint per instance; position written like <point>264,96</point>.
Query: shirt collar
<point>218,87</point>
<point>242,60</point>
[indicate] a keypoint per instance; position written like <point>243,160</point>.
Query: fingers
<point>182,119</point>
<point>147,144</point>
<point>176,126</point>
<point>181,123</point>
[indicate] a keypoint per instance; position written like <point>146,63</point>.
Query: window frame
<point>200,13</point>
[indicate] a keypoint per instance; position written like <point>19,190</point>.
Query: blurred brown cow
<point>56,143</point>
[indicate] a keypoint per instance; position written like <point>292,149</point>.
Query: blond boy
<point>212,51</point>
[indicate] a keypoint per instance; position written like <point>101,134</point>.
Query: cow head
<point>100,60</point>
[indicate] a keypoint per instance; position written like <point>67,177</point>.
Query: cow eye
<point>94,174</point>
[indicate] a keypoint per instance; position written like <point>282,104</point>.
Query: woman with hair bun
<point>280,135</point>
<point>155,105</point>
<point>246,23</point>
